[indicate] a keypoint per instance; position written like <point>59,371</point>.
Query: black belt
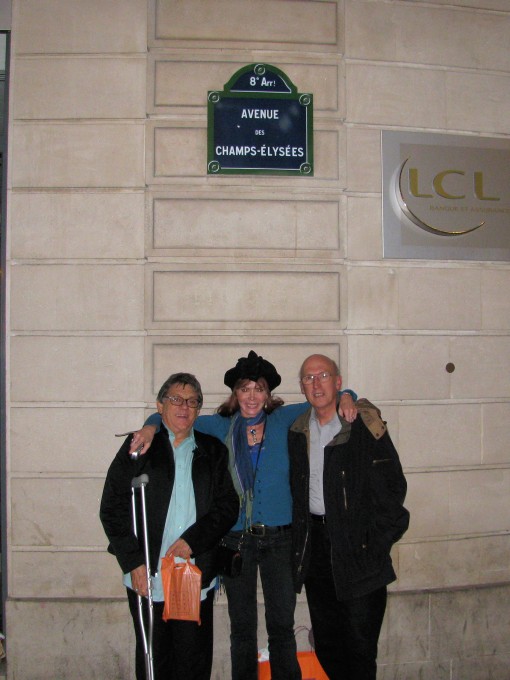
<point>263,529</point>
<point>318,518</point>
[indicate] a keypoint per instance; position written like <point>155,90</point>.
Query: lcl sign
<point>444,185</point>
<point>447,190</point>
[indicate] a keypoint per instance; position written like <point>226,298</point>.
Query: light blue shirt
<point>181,511</point>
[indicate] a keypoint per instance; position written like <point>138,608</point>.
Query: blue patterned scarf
<point>240,461</point>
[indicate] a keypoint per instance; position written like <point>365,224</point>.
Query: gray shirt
<point>320,436</point>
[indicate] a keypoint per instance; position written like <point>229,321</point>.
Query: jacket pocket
<point>366,557</point>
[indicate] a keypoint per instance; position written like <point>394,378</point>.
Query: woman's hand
<point>347,408</point>
<point>142,438</point>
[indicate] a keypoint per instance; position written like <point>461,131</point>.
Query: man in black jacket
<point>191,503</point>
<point>348,491</point>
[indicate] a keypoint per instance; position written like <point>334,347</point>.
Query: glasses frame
<point>176,400</point>
<point>322,377</point>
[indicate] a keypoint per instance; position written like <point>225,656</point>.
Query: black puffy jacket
<point>217,503</point>
<point>364,490</point>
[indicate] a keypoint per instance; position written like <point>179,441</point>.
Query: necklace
<point>253,433</point>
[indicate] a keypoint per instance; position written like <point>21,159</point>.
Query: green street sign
<point>260,125</point>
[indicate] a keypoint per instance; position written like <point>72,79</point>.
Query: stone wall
<point>127,262</point>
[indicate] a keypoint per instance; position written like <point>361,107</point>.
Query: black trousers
<point>270,557</point>
<point>181,649</point>
<point>346,633</point>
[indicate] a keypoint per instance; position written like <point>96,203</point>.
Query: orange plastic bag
<point>308,662</point>
<point>182,583</point>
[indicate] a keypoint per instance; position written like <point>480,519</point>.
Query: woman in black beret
<point>254,425</point>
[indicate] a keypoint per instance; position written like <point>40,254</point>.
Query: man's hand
<point>347,408</point>
<point>139,580</point>
<point>179,549</point>
<point>142,438</point>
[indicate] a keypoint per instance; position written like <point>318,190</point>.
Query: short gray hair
<point>181,379</point>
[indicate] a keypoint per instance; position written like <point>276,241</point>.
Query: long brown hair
<point>231,405</point>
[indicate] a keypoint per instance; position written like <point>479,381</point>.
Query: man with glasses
<point>191,503</point>
<point>348,490</point>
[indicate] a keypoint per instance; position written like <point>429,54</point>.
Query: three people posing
<point>280,542</point>
<point>254,425</point>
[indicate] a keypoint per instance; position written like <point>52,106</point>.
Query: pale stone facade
<point>127,262</point>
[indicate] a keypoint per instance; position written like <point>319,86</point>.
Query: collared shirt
<point>181,511</point>
<point>320,436</point>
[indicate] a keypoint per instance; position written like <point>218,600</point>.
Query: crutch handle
<point>138,482</point>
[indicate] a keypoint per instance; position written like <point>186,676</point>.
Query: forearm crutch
<point>140,483</point>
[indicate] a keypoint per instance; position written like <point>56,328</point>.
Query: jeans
<point>345,632</point>
<point>271,555</point>
<point>181,649</point>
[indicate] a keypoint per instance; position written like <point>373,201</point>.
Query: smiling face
<point>251,397</point>
<point>319,390</point>
<point>179,419</point>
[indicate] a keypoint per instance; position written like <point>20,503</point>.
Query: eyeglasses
<point>192,402</point>
<point>321,377</point>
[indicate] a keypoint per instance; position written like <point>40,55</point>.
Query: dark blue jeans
<point>271,555</point>
<point>345,632</point>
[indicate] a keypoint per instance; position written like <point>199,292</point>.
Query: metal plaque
<point>445,197</point>
<point>259,124</point>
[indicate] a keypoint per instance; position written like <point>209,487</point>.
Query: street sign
<point>259,124</point>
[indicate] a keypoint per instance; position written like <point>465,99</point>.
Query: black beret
<point>252,367</point>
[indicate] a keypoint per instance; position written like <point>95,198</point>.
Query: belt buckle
<point>260,529</point>
<point>321,519</point>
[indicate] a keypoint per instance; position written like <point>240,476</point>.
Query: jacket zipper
<point>300,568</point>
<point>344,489</point>
<point>302,557</point>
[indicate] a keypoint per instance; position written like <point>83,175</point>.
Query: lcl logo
<point>414,198</point>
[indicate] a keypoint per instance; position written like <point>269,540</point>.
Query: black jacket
<point>217,503</point>
<point>364,491</point>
